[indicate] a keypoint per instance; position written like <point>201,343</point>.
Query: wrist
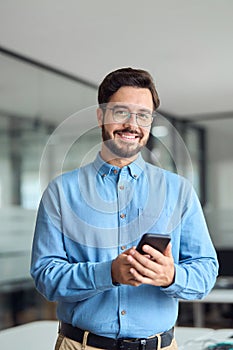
<point>114,279</point>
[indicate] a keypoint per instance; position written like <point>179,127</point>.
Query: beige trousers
<point>64,343</point>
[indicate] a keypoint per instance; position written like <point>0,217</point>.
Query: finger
<point>137,255</point>
<point>132,280</point>
<point>168,250</point>
<point>144,267</point>
<point>141,262</point>
<point>127,252</point>
<point>140,278</point>
<point>154,253</point>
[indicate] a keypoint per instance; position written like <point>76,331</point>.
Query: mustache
<point>128,130</point>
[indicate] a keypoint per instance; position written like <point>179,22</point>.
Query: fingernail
<point>129,258</point>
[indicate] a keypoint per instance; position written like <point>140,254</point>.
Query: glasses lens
<point>120,115</point>
<point>144,119</point>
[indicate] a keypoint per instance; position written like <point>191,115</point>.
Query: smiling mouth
<point>128,136</point>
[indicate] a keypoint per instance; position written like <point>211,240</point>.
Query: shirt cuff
<point>103,276</point>
<point>179,283</point>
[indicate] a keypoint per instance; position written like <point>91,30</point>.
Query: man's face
<point>126,139</point>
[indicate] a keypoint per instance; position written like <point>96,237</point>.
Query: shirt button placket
<point>123,217</point>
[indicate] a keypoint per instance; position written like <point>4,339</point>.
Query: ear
<point>100,117</point>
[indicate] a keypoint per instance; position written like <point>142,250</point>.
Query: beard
<point>121,149</point>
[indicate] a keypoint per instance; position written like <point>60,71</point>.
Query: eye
<point>121,112</point>
<point>144,116</point>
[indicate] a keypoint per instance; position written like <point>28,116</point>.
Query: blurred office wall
<point>48,126</point>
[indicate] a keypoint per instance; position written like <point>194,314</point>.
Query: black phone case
<point>156,241</point>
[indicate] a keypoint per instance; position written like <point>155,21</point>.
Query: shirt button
<point>123,312</point>
<point>115,171</point>
<point>123,247</point>
<point>121,187</point>
<point>103,175</point>
<point>135,176</point>
<point>122,216</point>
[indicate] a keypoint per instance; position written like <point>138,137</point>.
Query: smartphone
<point>155,240</point>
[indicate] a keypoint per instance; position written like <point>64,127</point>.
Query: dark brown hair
<point>126,77</point>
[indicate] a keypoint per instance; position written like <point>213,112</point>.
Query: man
<point>109,296</point>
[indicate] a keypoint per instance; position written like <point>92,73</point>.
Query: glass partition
<point>34,100</point>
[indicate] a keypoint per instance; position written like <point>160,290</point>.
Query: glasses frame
<point>129,116</point>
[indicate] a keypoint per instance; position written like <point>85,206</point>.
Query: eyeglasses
<point>122,115</point>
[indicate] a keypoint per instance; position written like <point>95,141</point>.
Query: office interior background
<point>53,55</point>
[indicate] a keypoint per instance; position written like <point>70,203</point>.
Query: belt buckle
<point>124,345</point>
<point>143,344</point>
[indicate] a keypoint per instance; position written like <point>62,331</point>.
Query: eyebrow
<point>143,109</point>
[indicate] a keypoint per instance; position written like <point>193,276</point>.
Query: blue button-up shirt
<point>89,216</point>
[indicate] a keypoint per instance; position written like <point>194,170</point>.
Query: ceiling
<point>186,46</point>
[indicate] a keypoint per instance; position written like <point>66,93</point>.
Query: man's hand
<point>154,268</point>
<point>158,270</point>
<point>121,270</point>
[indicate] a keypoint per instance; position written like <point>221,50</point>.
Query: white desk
<point>42,335</point>
<point>185,336</point>
<point>193,338</point>
<point>219,296</point>
<point>32,336</point>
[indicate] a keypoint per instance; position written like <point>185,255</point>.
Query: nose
<point>132,120</point>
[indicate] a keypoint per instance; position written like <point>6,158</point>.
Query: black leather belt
<point>98,341</point>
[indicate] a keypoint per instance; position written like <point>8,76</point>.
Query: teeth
<point>131,137</point>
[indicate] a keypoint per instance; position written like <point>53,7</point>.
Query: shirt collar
<point>135,168</point>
